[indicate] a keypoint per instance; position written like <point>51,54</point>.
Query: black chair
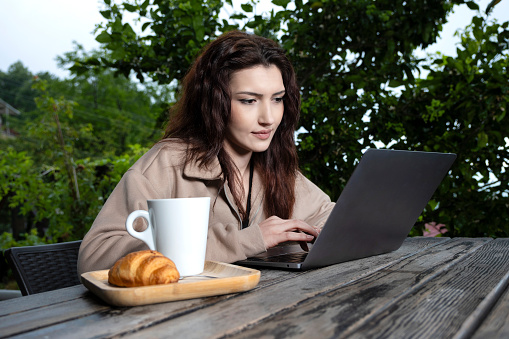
<point>44,268</point>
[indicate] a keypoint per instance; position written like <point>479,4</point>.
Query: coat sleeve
<point>311,203</point>
<point>228,244</point>
<point>108,240</point>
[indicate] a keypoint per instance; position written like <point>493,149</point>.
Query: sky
<point>35,32</point>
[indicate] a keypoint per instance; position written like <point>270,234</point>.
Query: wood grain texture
<point>112,320</point>
<point>234,315</point>
<point>79,314</point>
<point>439,308</point>
<point>13,306</point>
<point>496,324</point>
<point>342,311</point>
<point>39,317</point>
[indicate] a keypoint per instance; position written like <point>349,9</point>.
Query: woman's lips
<point>265,134</point>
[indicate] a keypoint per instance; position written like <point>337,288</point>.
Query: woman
<point>230,137</point>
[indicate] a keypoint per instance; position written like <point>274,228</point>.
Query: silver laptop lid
<point>379,205</point>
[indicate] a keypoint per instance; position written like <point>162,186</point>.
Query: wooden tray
<point>216,279</point>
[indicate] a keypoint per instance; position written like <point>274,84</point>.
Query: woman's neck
<point>240,159</point>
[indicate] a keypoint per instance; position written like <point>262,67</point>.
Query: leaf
<point>482,140</point>
<point>145,4</point>
<point>145,25</point>
<point>477,21</point>
<point>117,25</point>
<point>118,53</point>
<point>127,29</point>
<point>103,38</point>
<point>106,14</point>
<point>93,61</point>
<point>282,3</point>
<point>78,69</point>
<point>130,8</point>
<point>390,49</point>
<point>238,16</point>
<point>433,204</point>
<point>478,33</point>
<point>475,7</point>
<point>200,33</point>
<point>198,27</point>
<point>316,5</point>
<point>500,117</point>
<point>247,8</point>
<point>396,83</point>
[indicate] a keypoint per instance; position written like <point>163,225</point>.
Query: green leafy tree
<point>22,189</point>
<point>16,87</point>
<point>345,53</point>
<point>111,112</point>
<point>51,182</point>
<point>45,199</point>
<point>172,34</point>
<point>461,107</point>
<point>122,112</point>
<point>349,55</point>
<point>59,196</point>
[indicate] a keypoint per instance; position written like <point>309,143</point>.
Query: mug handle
<point>145,236</point>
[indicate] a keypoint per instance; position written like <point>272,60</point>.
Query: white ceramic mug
<point>178,229</point>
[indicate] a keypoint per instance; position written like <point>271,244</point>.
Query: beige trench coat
<point>158,174</point>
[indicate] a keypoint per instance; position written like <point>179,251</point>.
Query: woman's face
<point>256,109</point>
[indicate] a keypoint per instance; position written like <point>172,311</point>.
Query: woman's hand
<point>276,230</point>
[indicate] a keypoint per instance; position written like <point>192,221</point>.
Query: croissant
<point>143,268</point>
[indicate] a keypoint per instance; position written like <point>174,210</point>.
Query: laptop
<point>376,210</point>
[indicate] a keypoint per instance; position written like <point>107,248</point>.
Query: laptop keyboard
<point>289,257</point>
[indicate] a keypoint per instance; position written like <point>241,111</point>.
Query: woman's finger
<point>300,226</point>
<point>276,230</point>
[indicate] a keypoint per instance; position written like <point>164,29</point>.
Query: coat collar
<point>214,172</point>
<point>211,172</point>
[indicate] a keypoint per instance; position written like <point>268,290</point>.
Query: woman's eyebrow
<point>258,94</point>
<point>250,93</point>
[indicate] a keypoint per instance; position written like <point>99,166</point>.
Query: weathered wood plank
<point>33,301</point>
<point>272,276</point>
<point>346,308</point>
<point>62,322</point>
<point>43,313</point>
<point>440,307</point>
<point>19,323</point>
<point>496,324</point>
<point>228,317</point>
<point>115,321</point>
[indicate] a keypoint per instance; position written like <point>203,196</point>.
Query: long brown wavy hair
<point>202,113</point>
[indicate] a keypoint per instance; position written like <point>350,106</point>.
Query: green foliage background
<point>69,154</point>
<point>362,86</point>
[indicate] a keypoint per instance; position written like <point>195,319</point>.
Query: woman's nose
<point>266,116</point>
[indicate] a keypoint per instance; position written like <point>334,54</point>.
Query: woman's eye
<point>278,99</point>
<point>247,101</point>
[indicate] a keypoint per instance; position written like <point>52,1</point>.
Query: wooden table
<point>429,288</point>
